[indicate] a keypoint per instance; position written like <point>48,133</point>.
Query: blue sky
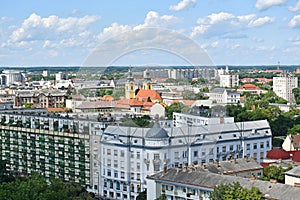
<point>231,32</point>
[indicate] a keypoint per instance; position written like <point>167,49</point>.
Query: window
<point>231,147</point>
<point>108,162</point>
<point>195,153</point>
<point>156,167</point>
<point>156,156</point>
<point>123,175</point>
<point>115,163</point>
<point>268,144</point>
<point>224,149</point>
<point>108,152</point>
<point>132,154</point>
<point>138,166</point>
<point>248,146</point>
<point>176,155</point>
<point>115,152</point>
<point>138,155</point>
<point>108,172</point>
<point>218,150</point>
<point>138,177</point>
<point>254,146</point>
<point>122,153</point>
<point>116,174</point>
<point>262,145</point>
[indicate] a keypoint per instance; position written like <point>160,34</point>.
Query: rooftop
<point>210,180</point>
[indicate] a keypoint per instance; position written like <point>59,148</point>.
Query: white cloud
<point>36,28</point>
<point>265,48</point>
<point>295,22</point>
<point>260,21</point>
<point>152,19</point>
<point>184,4</point>
<point>296,7</point>
<point>265,4</point>
<point>224,23</point>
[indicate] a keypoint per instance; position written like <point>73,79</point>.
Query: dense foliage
<point>175,107</point>
<point>275,173</point>
<point>35,187</point>
<point>235,191</point>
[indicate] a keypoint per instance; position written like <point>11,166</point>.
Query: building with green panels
<point>54,147</point>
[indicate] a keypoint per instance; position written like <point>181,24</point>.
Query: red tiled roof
<point>107,98</point>
<point>278,154</point>
<point>249,86</point>
<point>144,94</point>
<point>296,156</point>
<point>56,109</point>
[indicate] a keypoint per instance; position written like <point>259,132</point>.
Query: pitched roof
<point>249,86</point>
<point>107,98</point>
<point>278,154</point>
<point>144,94</point>
<point>210,180</point>
<point>96,104</point>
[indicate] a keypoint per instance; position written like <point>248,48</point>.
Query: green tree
<point>235,191</point>
<point>142,195</point>
<point>175,107</point>
<point>296,92</point>
<point>276,173</point>
<point>294,130</point>
<point>162,197</point>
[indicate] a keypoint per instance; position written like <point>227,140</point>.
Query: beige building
<point>292,177</point>
<point>291,143</point>
<point>41,99</point>
<point>284,84</point>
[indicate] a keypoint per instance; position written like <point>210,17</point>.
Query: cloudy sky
<point>231,32</point>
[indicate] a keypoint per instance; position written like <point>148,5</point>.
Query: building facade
<point>41,98</point>
<point>130,154</point>
<point>229,80</point>
<point>114,161</point>
<point>224,96</point>
<point>54,147</point>
<point>284,84</point>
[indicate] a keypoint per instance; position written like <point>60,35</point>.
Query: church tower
<point>130,86</point>
<point>147,84</point>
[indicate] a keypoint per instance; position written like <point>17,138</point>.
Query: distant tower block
<point>130,86</point>
<point>278,65</point>
<point>147,84</point>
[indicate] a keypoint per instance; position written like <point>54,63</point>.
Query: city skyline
<point>35,33</point>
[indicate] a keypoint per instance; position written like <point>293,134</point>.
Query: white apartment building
<point>9,77</point>
<point>229,80</point>
<point>122,157</point>
<point>183,119</point>
<point>284,84</point>
<point>224,96</point>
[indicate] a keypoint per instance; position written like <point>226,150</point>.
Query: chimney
<point>297,185</point>
<point>273,181</point>
<point>165,168</point>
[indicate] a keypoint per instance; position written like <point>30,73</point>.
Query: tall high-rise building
<point>284,84</point>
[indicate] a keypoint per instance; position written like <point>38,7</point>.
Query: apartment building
<point>183,119</point>
<point>41,98</point>
<point>130,154</point>
<point>54,147</point>
<point>115,161</point>
<point>284,84</point>
<point>224,96</point>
